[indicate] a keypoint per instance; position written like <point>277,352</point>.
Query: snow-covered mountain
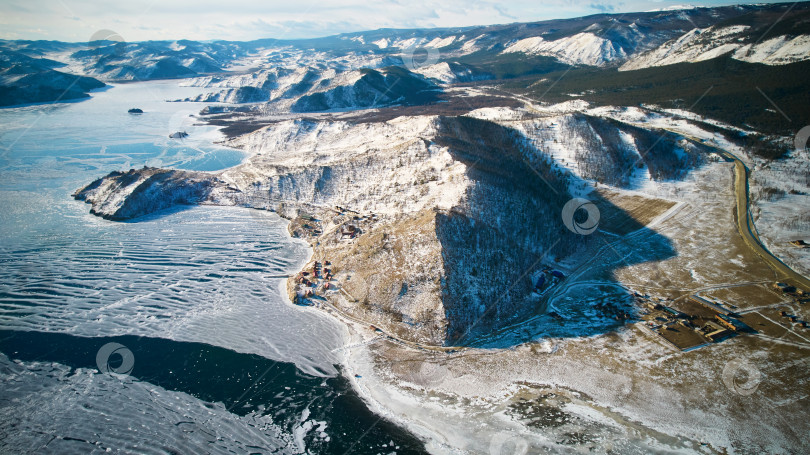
<point>739,41</point>
<point>451,72</point>
<point>448,194</point>
<point>597,40</point>
<point>25,79</point>
<point>269,70</point>
<point>308,89</point>
<point>580,49</point>
<point>265,85</point>
<point>367,88</point>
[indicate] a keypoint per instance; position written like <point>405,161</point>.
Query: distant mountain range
<point>452,153</point>
<point>355,69</point>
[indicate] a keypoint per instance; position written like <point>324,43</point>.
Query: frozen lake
<point>203,282</point>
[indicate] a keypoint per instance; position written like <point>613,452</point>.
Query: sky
<point>241,20</point>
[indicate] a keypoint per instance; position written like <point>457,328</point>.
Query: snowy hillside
<point>308,89</point>
<point>598,40</point>
<point>450,73</point>
<point>705,44</point>
<point>367,88</point>
<point>26,80</point>
<point>580,49</point>
<point>443,189</point>
<point>541,228</point>
<point>265,85</point>
<point>781,50</point>
<point>327,70</point>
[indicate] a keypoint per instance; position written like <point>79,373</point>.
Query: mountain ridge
<point>627,41</point>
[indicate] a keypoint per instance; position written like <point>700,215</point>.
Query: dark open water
<point>215,359</point>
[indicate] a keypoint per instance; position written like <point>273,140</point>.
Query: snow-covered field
<point>623,390</point>
<point>570,382</point>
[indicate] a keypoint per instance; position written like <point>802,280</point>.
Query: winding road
<point>743,220</point>
<point>745,226</point>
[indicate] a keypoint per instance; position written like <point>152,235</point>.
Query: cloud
<point>603,7</point>
<point>138,20</point>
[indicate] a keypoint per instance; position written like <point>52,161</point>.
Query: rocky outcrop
<point>434,225</point>
<point>125,195</point>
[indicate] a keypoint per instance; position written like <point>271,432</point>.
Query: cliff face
<point>434,225</point>
<point>126,195</point>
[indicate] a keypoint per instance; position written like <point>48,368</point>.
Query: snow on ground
<point>698,45</point>
<point>693,46</point>
<point>673,8</point>
<point>300,142</point>
<point>401,159</point>
<point>776,51</point>
<point>626,390</point>
<point>640,179</point>
<point>441,42</point>
<point>408,43</point>
<point>623,389</point>
<point>566,107</point>
<point>497,113</point>
<point>579,49</point>
<point>557,135</point>
<point>779,190</point>
<point>281,87</point>
<point>471,46</point>
<point>439,71</point>
<point>698,118</point>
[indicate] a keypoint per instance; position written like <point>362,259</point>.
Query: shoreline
<point>564,389</point>
<point>358,337</point>
<point>357,366</point>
